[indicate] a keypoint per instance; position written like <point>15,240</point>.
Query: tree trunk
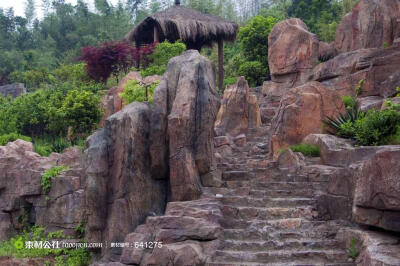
<point>220,63</point>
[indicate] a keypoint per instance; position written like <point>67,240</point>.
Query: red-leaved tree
<point>114,57</point>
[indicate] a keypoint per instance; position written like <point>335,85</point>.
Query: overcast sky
<point>19,5</point>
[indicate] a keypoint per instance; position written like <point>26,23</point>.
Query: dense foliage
<point>368,128</point>
<point>306,149</point>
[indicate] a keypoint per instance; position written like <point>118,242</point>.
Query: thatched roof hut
<point>192,27</point>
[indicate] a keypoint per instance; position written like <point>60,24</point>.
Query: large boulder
<point>301,113</point>
<point>12,90</point>
<point>372,24</point>
<point>188,230</point>
<point>22,200</point>
<point>184,111</point>
<point>239,110</point>
<point>377,192</point>
<point>374,70</point>
<point>293,52</point>
<point>120,191</point>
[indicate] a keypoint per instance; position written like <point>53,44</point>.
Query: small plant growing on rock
<point>306,149</point>
<point>353,252</point>
<point>54,171</point>
<point>398,91</point>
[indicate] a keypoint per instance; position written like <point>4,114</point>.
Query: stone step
<point>302,244</point>
<point>237,175</point>
<point>268,233</point>
<point>291,263</point>
<point>249,191</point>
<point>249,213</point>
<point>259,184</point>
<point>264,201</point>
<point>281,256</point>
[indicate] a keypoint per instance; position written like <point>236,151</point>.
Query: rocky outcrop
<point>22,200</point>
<point>301,113</point>
<point>184,110</point>
<point>377,192</point>
<point>239,110</point>
<point>293,52</point>
<point>120,191</point>
<point>372,24</point>
<point>373,70</point>
<point>187,231</point>
<point>12,90</point>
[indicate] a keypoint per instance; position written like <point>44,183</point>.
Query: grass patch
<point>352,253</point>
<point>53,172</point>
<point>306,149</point>
<point>15,247</point>
<point>48,144</point>
<point>4,139</point>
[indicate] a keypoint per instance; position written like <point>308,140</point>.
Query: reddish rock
<point>240,140</point>
<point>21,171</point>
<point>368,103</point>
<point>184,111</point>
<point>293,52</point>
<point>187,230</point>
<point>372,24</point>
<point>120,190</point>
<point>375,68</point>
<point>301,113</point>
<point>377,193</point>
<point>239,110</point>
<point>290,159</point>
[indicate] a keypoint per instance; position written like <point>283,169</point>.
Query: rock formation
<point>239,110</point>
<point>293,52</point>
<point>184,110</point>
<point>377,192</point>
<point>13,90</point>
<point>120,191</point>
<point>22,200</point>
<point>301,113</point>
<point>372,24</point>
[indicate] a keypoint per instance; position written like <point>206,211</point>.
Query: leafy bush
<point>349,102</point>
<point>109,58</point>
<point>229,81</point>
<point>135,91</point>
<point>4,139</point>
<point>376,127</point>
<point>254,72</point>
<point>163,52</point>
<point>253,39</point>
<point>32,78</point>
<point>307,149</point>
<point>15,247</point>
<point>371,128</point>
<point>54,171</point>
<point>81,110</point>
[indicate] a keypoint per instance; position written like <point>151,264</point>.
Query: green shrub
<point>54,171</point>
<point>352,252</point>
<point>306,149</point>
<point>376,126</point>
<point>45,145</point>
<point>349,102</point>
<point>135,91</point>
<point>81,110</point>
<point>254,72</point>
<point>229,81</point>
<point>162,54</point>
<point>343,124</point>
<point>15,247</point>
<point>4,139</point>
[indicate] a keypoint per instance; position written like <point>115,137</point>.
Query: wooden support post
<point>220,64</point>
<point>155,38</point>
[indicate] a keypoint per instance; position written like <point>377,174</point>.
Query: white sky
<point>19,5</point>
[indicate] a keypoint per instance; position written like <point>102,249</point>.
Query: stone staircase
<point>269,214</point>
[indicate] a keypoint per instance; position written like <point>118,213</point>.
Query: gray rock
<point>13,90</point>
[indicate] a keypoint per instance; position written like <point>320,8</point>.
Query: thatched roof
<point>194,28</point>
